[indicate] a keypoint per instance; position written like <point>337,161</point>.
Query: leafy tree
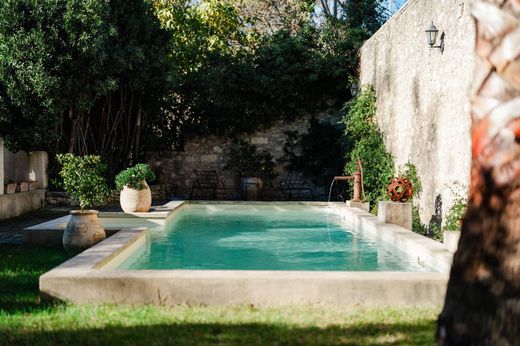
<point>270,16</point>
<point>80,76</point>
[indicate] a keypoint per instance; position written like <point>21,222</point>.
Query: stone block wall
<point>211,153</point>
<point>423,96</point>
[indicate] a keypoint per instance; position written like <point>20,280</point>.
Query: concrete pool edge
<point>427,251</point>
<point>90,278</point>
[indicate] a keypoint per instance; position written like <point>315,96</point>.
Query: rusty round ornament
<point>400,189</point>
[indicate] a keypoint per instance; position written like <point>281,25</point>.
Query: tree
<point>269,16</point>
<point>80,76</point>
<point>482,304</point>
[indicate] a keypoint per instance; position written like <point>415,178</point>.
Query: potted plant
<point>254,168</point>
<point>135,192</point>
<point>83,180</point>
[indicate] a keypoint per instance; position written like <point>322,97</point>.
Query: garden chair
<point>207,185</point>
<point>294,188</point>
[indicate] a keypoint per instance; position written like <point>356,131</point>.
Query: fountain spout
<point>358,183</point>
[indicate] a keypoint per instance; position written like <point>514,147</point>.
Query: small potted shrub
<point>83,180</point>
<point>135,193</point>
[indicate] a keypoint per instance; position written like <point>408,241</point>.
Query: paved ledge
<point>427,251</point>
<point>50,233</point>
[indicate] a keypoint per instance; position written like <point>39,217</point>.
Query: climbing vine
<point>368,146</point>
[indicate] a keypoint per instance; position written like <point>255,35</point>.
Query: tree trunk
<point>482,304</point>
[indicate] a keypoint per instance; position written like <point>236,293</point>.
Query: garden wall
<point>212,153</point>
<point>22,167</point>
<point>423,96</point>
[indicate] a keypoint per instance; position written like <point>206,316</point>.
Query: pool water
<point>266,237</point>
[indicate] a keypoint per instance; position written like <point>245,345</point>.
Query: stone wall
<point>16,204</point>
<point>423,96</point>
<point>211,153</point>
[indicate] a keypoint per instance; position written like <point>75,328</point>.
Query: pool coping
<point>91,277</point>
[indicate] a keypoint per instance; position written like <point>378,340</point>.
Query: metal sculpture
<point>400,189</point>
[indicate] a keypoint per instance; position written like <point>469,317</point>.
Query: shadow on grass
<point>20,269</point>
<point>222,334</point>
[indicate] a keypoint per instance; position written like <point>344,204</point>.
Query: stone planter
<point>251,188</point>
<point>83,231</point>
<point>136,201</point>
<point>10,188</point>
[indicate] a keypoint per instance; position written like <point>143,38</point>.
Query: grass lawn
<point>24,319</point>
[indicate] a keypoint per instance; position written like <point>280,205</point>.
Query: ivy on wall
<point>367,145</point>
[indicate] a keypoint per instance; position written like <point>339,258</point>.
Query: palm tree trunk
<point>482,304</point>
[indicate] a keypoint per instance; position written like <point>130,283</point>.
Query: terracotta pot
<point>10,188</point>
<point>136,201</point>
<point>23,186</point>
<point>33,185</point>
<point>83,231</point>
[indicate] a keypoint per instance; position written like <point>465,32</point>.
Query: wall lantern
<point>431,35</point>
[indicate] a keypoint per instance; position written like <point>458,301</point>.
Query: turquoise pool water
<point>266,237</point>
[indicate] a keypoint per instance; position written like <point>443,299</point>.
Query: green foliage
<point>457,209</point>
<point>75,75</point>
<point>318,154</point>
<point>246,161</point>
<point>417,225</point>
<point>83,178</point>
<point>368,146</point>
<point>410,171</point>
<point>133,177</point>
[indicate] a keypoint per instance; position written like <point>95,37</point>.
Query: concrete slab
<point>50,233</point>
<point>91,277</point>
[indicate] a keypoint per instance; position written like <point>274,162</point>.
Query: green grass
<point>24,319</point>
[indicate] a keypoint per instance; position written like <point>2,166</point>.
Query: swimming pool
<point>261,254</point>
<point>267,237</point>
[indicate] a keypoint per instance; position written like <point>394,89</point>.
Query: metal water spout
<point>359,189</point>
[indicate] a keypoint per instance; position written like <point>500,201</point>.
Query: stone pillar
<point>38,163</point>
<point>395,213</point>
<point>1,166</point>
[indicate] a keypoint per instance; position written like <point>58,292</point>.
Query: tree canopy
<point>118,77</point>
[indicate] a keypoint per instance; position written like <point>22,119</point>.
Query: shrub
<point>133,177</point>
<point>410,171</point>
<point>305,152</point>
<point>368,146</point>
<point>83,178</point>
<point>457,209</point>
<point>245,160</point>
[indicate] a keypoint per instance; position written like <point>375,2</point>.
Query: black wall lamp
<point>431,34</point>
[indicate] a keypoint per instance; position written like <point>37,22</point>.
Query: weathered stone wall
<point>423,96</point>
<point>20,203</point>
<point>212,153</point>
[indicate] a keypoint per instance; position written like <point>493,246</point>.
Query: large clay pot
<point>134,201</point>
<point>83,231</point>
